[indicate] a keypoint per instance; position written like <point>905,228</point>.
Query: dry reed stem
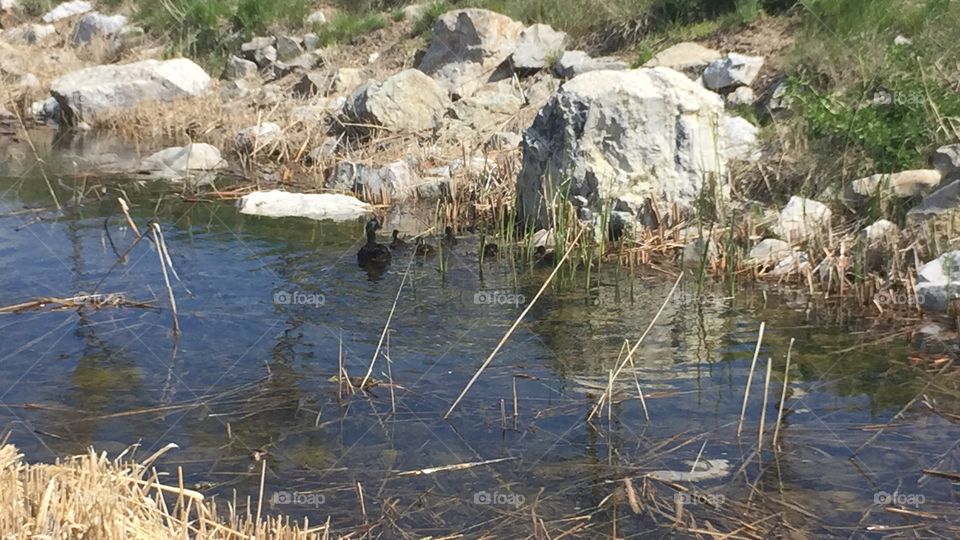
<point>783,396</point>
<point>753,366</point>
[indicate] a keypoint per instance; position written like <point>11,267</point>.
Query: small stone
<point>902,40</point>
<point>734,70</point>
<point>803,220</point>
<point>743,95</point>
<point>255,137</point>
<point>96,25</point>
<point>769,252</point>
<point>238,68</point>
<point>573,63</point>
<point>260,50</point>
<point>311,42</point>
<point>689,58</point>
<point>316,18</point>
<point>67,9</point>
<point>947,160</point>
<point>289,47</point>
<point>325,151</point>
<point>739,139</point>
<point>538,46</point>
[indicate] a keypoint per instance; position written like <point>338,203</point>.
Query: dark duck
<point>489,250</point>
<point>372,253</point>
<point>449,240</point>
<point>423,249</point>
<point>396,242</point>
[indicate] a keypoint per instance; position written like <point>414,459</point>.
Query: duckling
<point>424,250</point>
<point>372,253</point>
<point>449,240</point>
<point>489,250</point>
<point>396,242</point>
<point>542,258</point>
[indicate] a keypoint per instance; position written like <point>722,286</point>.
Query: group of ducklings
<point>376,254</point>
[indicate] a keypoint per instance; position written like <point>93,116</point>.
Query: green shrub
<point>346,26</point>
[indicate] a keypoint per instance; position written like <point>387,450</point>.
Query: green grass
<point>346,26</point>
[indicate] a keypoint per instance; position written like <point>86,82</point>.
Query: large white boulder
<point>67,9</point>
<point>466,47</point>
<point>609,134</point>
<point>407,101</point>
<point>309,205</point>
<point>91,93</point>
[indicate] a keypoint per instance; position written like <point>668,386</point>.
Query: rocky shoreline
<point>487,113</point>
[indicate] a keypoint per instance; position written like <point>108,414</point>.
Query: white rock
<point>690,58</point>
<point>485,111</point>
<point>743,95</point>
<point>573,63</point>
<point>538,46</point>
<point>902,40</point>
<point>96,25</point>
<point>396,180</point>
<point>947,160</point>
<point>67,9</point>
<point>315,18</point>
<point>804,219</point>
<point>373,57</point>
<point>779,100</point>
<point>178,161</point>
<point>93,92</point>
<point>407,101</point>
<point>794,262</point>
<point>311,41</point>
<point>466,46</point>
<point>734,70</point>
<point>900,185</point>
<point>29,34</point>
<point>9,5</point>
<point>769,251</point>
<point>739,139</point>
<point>695,471</point>
<point>289,47</point>
<point>256,137</point>
<point>313,206</point>
<point>606,134</point>
<point>260,50</point>
<point>938,282</point>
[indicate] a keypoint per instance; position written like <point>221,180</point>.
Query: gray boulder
<point>395,181</point>
<point>587,141</point>
<point>181,161</point>
<point>97,25</point>
<point>940,208</point>
<point>538,46</point>
<point>734,70</point>
<point>467,46</point>
<point>938,282</point>
<point>238,68</point>
<point>260,50</point>
<point>88,94</point>
<point>803,220</point>
<point>407,101</point>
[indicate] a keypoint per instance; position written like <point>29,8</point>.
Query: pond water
<point>269,307</point>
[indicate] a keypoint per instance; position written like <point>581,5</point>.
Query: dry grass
<point>91,497</point>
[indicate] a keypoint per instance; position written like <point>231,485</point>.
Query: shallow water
<point>251,376</point>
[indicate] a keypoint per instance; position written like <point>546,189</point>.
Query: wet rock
<point>260,50</point>
<point>395,181</point>
<point>734,70</point>
<point>96,25</point>
<point>30,34</point>
<point>769,252</point>
<point>938,283</point>
<point>803,220</point>
<point>88,94</point>
<point>466,47</point>
<point>898,185</point>
<point>313,206</point>
<point>254,138</point>
<point>238,68</point>
<point>670,153</point>
<point>947,160</point>
<point>741,96</point>
<point>573,63</point>
<point>316,18</point>
<point>739,138</point>
<point>180,161</point>
<point>538,47</point>
<point>289,47</point>
<point>67,9</point>
<point>689,58</point>
<point>407,101</point>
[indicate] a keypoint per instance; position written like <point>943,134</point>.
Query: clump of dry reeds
<point>92,497</point>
